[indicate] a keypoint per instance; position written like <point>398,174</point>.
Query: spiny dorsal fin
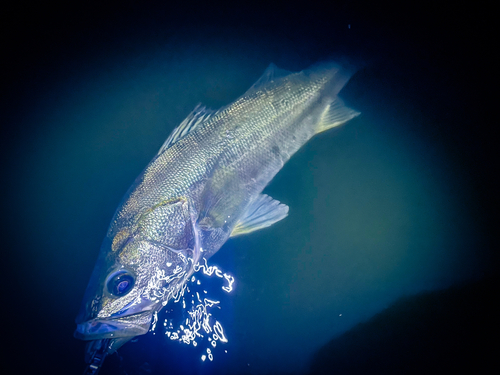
<point>263,212</point>
<point>336,113</point>
<point>199,115</point>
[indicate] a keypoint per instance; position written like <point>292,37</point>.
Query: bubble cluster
<point>199,325</point>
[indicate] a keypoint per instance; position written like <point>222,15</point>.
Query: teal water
<point>388,206</point>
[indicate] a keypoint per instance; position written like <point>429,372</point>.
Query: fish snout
<point>97,329</point>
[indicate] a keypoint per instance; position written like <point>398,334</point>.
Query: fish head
<point>138,271</point>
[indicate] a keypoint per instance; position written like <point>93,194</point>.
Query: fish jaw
<point>105,336</point>
<point>108,328</point>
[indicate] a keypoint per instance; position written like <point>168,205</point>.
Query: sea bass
<point>203,186</point>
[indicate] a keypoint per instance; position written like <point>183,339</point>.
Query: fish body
<point>204,185</point>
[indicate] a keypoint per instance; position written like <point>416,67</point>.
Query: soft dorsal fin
<point>199,115</point>
<point>270,74</point>
<point>263,212</point>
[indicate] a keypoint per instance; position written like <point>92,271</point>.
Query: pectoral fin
<point>263,212</point>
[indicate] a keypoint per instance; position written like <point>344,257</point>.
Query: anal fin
<point>263,212</point>
<point>335,114</point>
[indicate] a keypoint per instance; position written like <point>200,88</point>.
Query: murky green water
<point>382,208</point>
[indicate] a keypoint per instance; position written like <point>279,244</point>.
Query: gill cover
<point>140,265</point>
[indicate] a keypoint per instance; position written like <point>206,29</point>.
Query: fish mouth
<point>104,328</point>
<point>105,335</point>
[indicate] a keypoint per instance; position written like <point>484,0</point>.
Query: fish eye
<point>120,283</point>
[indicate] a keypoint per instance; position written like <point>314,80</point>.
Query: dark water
<point>386,263</point>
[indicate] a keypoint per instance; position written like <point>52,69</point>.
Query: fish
<point>204,186</point>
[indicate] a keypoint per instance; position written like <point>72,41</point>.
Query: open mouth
<point>131,325</point>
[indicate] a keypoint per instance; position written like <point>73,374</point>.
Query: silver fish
<point>204,185</point>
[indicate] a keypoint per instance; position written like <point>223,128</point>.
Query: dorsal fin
<point>271,73</point>
<point>199,115</point>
